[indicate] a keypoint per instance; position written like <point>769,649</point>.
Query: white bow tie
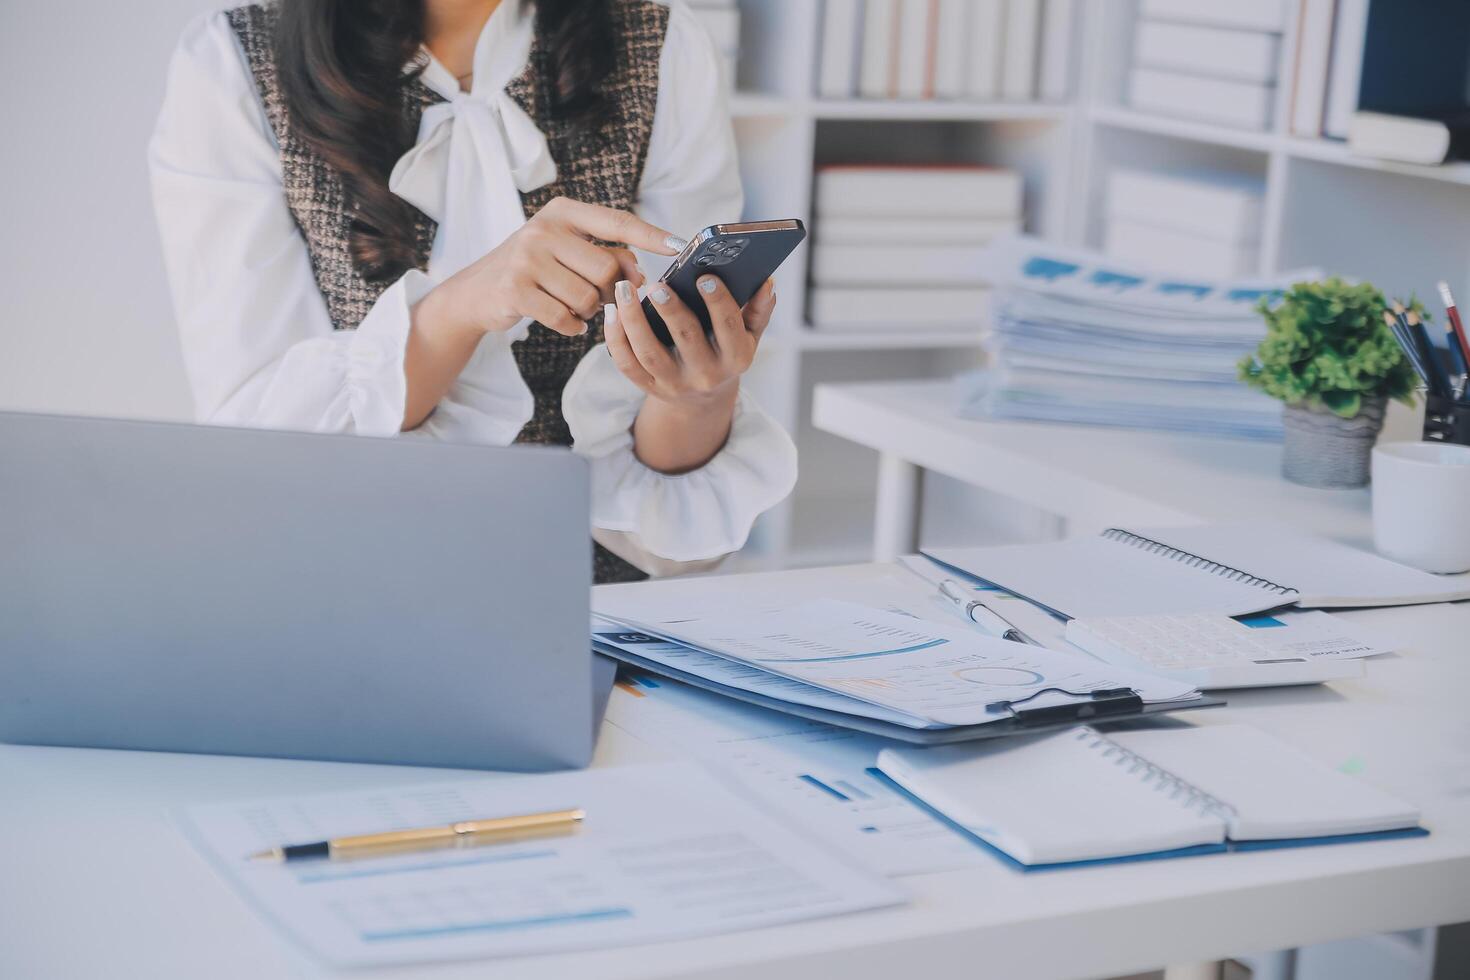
<point>476,151</point>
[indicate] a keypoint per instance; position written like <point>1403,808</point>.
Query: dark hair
<point>340,64</point>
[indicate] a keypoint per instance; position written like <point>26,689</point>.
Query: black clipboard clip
<point>1102,703</point>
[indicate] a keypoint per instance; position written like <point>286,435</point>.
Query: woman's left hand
<point>692,389</point>
<point>699,368</point>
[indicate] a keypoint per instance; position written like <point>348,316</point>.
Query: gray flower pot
<point>1326,450</point>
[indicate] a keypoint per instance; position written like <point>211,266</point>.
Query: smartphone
<point>743,255</point>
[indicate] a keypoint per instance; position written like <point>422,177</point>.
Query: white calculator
<point>1209,651</point>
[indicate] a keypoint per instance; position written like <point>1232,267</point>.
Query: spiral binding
<point>1178,789</point>
<point>1194,561</point>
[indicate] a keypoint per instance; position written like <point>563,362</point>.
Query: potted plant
<point>1330,357</point>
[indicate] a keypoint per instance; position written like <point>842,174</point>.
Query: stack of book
<point>1085,339</point>
<point>1208,61</point>
<point>721,20</point>
<point>1190,223</point>
<point>984,50</point>
<point>902,245</point>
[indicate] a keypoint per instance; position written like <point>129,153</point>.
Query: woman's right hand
<point>549,271</point>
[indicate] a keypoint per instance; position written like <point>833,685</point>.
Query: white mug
<point>1421,504</point>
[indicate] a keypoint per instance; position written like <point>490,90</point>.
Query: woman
<point>385,216</point>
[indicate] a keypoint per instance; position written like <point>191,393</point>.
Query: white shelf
<point>1335,152</point>
<point>1330,151</point>
<point>1146,122</point>
<point>1324,207</point>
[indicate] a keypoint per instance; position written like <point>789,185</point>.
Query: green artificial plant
<point>1327,346</point>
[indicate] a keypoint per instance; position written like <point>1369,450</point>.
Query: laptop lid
<point>202,589</point>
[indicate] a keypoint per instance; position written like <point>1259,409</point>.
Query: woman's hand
<point>691,389</point>
<point>549,271</point>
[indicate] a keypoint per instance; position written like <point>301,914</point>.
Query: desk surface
<point>1093,475</point>
<point>97,881</point>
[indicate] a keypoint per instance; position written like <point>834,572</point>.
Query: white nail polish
<point>660,296</point>
<point>609,316</point>
<point>707,284</point>
<point>624,291</point>
<point>676,244</point>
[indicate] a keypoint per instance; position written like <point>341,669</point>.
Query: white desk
<point>95,881</point>
<point>1090,476</point>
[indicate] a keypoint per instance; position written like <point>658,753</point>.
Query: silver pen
<point>980,614</point>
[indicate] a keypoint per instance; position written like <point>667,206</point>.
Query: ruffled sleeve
<point>257,339</point>
<point>690,517</point>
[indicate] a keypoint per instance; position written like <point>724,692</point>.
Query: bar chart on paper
<point>814,773</point>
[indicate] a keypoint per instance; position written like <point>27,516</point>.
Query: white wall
<point>85,323</point>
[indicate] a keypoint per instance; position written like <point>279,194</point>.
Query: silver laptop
<point>201,589</point>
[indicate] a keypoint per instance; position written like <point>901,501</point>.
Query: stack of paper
<point>857,663</point>
<point>1081,338</point>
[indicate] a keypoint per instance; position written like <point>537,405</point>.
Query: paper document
<point>733,674</point>
<point>815,774</point>
<point>1313,635</point>
<point>948,674</point>
<point>664,852</point>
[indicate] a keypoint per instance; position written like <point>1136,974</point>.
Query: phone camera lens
<point>705,261</point>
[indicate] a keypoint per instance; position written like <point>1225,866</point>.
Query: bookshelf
<point>1400,226</point>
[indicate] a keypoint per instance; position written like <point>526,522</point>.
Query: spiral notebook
<point>1079,796</point>
<point>1231,569</point>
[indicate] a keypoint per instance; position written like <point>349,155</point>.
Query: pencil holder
<point>1446,420</point>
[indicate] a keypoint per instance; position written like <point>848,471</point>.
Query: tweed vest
<point>600,167</point>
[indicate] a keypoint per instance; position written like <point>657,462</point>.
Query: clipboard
<point>1119,704</point>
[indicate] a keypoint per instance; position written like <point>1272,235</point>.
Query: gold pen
<point>462,834</point>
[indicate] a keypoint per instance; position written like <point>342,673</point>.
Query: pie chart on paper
<point>1000,676</point>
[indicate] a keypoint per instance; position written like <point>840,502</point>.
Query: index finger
<point>612,225</point>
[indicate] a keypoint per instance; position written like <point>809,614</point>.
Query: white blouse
<point>257,340</point>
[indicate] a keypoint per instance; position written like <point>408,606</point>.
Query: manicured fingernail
<point>708,284</point>
<point>624,291</point>
<point>660,296</point>
<point>609,316</point>
<point>675,244</point>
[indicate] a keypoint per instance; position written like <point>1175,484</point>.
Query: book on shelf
<point>951,32</point>
<point>1219,205</point>
<point>987,37</point>
<point>1309,74</point>
<point>1345,74</point>
<point>935,191</point>
<point>1250,15</point>
<point>1019,57</point>
<point>911,74</point>
<point>865,308</point>
<point>897,265</point>
<point>1416,114</point>
<point>837,230</point>
<point>878,73</point>
<point>721,21</point>
<point>1242,105</point>
<point>842,34</point>
<point>1059,37</point>
<point>1217,52</point>
<point>1433,138</point>
<point>1179,252</point>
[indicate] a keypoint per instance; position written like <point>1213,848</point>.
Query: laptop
<point>246,592</point>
